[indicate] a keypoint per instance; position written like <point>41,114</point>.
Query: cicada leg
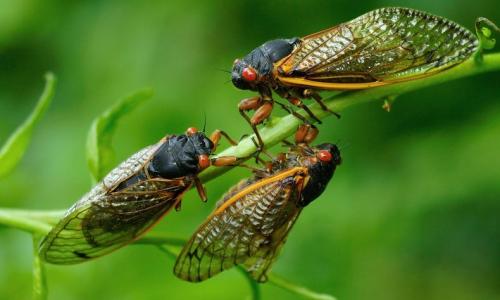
<point>297,102</point>
<point>229,161</point>
<point>255,170</point>
<point>205,161</point>
<point>257,153</point>
<point>224,161</point>
<point>306,133</point>
<point>286,143</point>
<point>218,162</point>
<point>292,112</point>
<point>309,93</point>
<point>267,165</point>
<point>216,136</point>
<point>179,205</point>
<point>263,107</point>
<point>200,188</point>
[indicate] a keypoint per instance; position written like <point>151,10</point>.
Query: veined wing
<point>248,228</point>
<point>385,45</point>
<point>102,221</point>
<point>130,166</point>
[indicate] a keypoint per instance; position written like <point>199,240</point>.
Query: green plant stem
<point>254,285</point>
<point>40,222</point>
<point>35,222</point>
<point>39,279</point>
<point>281,128</point>
<point>287,285</point>
<point>167,251</point>
<point>155,239</point>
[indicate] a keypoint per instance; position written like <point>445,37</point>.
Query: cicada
<point>251,222</point>
<point>381,47</point>
<point>132,198</point>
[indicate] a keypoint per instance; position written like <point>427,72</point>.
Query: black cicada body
<point>130,199</point>
<point>381,47</point>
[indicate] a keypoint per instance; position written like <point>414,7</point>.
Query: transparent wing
<point>248,228</point>
<point>388,44</point>
<point>131,166</point>
<point>104,222</point>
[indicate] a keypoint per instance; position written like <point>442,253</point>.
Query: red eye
<point>324,156</point>
<point>249,74</point>
<point>191,131</point>
<point>203,161</point>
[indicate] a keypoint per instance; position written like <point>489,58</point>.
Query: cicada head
<point>182,155</point>
<point>328,155</point>
<point>322,164</point>
<point>255,69</point>
<point>201,148</point>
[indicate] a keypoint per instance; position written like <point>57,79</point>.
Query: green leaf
<point>100,153</point>
<point>13,150</point>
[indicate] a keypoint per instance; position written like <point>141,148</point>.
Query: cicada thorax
<point>131,198</point>
<point>320,161</point>
<point>381,47</point>
<point>251,222</point>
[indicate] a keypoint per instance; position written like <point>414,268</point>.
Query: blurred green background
<point>413,212</point>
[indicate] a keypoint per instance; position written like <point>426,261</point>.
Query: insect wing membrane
<point>384,45</point>
<point>105,220</point>
<point>248,228</point>
<point>130,167</point>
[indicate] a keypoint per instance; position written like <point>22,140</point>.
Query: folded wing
<point>247,228</point>
<point>384,45</point>
<point>105,221</point>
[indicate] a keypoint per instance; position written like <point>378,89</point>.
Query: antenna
<point>204,120</point>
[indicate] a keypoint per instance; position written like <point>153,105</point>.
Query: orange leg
<point>218,162</point>
<point>290,111</point>
<point>262,113</point>
<point>178,206</point>
<point>309,93</point>
<point>306,133</point>
<point>217,135</point>
<point>297,102</point>
<point>201,190</point>
<point>263,108</point>
<point>260,150</point>
<point>287,143</point>
<point>250,103</point>
<point>224,161</point>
